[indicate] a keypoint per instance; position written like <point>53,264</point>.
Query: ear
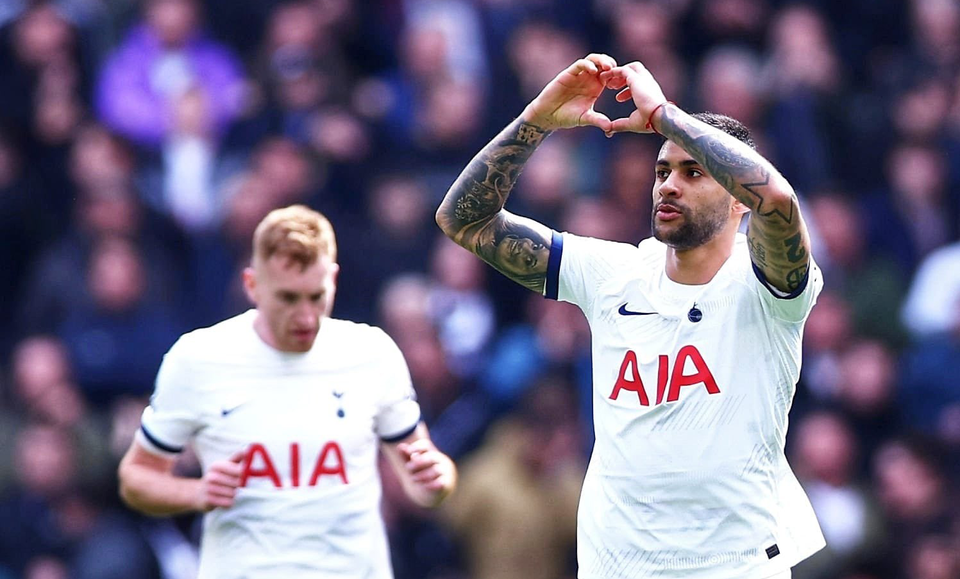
<point>738,208</point>
<point>250,284</point>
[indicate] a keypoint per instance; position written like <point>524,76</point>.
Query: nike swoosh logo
<point>623,311</point>
<point>226,411</point>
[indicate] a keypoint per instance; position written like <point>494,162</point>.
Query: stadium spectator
<point>164,59</point>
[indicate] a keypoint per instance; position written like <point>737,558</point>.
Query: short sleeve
<point>172,417</point>
<point>790,307</point>
<point>578,266</point>
<point>399,412</point>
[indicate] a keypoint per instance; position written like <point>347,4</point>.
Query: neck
<point>263,331</point>
<point>698,265</point>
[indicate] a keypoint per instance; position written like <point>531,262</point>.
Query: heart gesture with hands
<point>567,101</point>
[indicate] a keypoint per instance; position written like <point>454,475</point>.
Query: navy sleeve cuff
<point>402,435</point>
<point>778,293</point>
<point>156,442</point>
<point>553,267</point>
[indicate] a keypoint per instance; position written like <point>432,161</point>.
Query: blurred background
<point>142,141</point>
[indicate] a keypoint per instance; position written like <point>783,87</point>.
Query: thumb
<point>633,123</point>
<point>404,449</point>
<point>593,118</point>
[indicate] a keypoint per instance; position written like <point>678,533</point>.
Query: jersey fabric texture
<point>691,390</point>
<point>310,424</point>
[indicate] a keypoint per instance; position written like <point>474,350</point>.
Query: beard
<point>697,228</point>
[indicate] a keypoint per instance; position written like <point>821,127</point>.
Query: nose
<point>306,315</point>
<point>669,187</point>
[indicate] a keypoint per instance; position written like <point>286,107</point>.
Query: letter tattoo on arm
<point>777,237</point>
<point>472,213</point>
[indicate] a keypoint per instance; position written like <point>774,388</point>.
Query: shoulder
<point>608,251</point>
<point>351,334</point>
<point>222,337</point>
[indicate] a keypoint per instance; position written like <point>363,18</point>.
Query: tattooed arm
<point>472,211</point>
<point>777,237</point>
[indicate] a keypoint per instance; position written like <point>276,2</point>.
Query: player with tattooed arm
<point>696,334</point>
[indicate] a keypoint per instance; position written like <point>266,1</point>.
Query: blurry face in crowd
<point>291,300</point>
<point>173,20</point>
<point>689,207</point>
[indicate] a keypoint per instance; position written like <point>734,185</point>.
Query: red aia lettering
<point>268,470</point>
<point>634,384</point>
<point>629,377</point>
<point>258,463</point>
<point>322,468</point>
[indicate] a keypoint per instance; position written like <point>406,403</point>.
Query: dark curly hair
<point>728,125</point>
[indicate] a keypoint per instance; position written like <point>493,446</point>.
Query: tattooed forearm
<point>741,170</point>
<point>472,211</point>
<point>482,189</point>
<point>777,237</point>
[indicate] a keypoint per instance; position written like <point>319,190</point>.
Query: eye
<point>288,298</point>
<point>316,297</point>
<point>695,173</point>
<point>662,174</point>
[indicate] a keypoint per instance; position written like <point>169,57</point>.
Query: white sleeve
<point>172,417</point>
<point>578,266</point>
<point>794,306</point>
<point>399,412</point>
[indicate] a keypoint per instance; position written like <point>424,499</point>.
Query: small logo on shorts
<point>773,551</point>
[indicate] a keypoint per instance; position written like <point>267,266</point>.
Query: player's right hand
<point>219,483</point>
<point>567,100</point>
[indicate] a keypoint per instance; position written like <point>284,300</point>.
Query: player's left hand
<point>428,468</point>
<point>637,84</point>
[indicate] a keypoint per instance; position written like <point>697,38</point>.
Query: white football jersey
<point>310,424</point>
<point>691,390</point>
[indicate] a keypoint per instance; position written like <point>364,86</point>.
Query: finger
<point>238,456</point>
<point>624,95</point>
<point>404,449</point>
<point>223,478</point>
<point>435,485</point>
<point>221,491</point>
<point>613,80</point>
<point>421,462</point>
<point>230,468</point>
<point>595,119</point>
<point>629,124</point>
<point>579,66</point>
<point>426,476</point>
<point>602,61</point>
<point>222,502</point>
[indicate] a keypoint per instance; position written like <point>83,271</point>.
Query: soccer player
<point>286,409</point>
<point>696,334</point>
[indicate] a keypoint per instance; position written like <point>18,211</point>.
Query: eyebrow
<point>685,163</point>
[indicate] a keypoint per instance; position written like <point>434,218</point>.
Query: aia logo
<point>629,378</point>
<point>259,463</point>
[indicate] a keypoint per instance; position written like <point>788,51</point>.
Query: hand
<point>218,487</point>
<point>567,100</point>
<point>430,470</point>
<point>642,88</point>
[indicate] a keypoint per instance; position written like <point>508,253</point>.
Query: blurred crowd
<point>142,140</point>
